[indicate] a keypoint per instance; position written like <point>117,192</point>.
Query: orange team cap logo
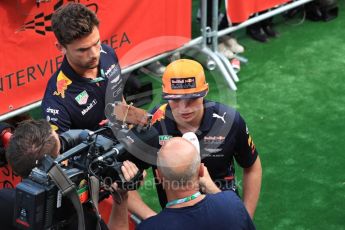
<point>159,114</point>
<point>62,83</point>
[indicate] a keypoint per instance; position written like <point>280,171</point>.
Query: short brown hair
<point>73,21</point>
<point>30,141</point>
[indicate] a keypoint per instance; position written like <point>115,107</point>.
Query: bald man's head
<point>178,161</point>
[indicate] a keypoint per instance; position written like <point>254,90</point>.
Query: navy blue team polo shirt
<point>75,102</point>
<point>222,210</point>
<point>223,137</point>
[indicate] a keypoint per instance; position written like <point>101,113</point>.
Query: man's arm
<point>251,186</point>
<point>206,183</point>
<point>247,157</point>
<point>137,206</point>
<point>118,219</point>
<point>130,114</point>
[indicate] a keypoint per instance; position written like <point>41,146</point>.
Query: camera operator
<point>28,145</point>
<point>6,194</point>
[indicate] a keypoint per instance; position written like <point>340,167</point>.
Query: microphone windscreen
<point>190,136</point>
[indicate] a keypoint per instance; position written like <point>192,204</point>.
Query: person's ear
<point>159,177</point>
<point>60,48</point>
<point>201,170</point>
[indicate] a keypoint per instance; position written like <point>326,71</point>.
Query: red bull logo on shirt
<point>62,84</point>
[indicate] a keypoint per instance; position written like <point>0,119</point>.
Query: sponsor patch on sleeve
<point>159,114</point>
<point>62,84</point>
<point>251,144</point>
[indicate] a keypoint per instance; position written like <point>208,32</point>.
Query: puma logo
<point>220,117</point>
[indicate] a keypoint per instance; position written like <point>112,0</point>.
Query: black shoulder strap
<point>68,189</point>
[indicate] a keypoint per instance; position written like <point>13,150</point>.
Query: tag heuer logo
<point>82,98</point>
<point>163,139</point>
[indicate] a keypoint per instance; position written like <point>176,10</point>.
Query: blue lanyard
<point>182,200</point>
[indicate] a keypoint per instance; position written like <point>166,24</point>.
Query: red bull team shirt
<point>223,136</point>
<point>75,102</point>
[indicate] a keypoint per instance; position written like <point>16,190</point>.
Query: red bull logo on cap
<point>62,83</point>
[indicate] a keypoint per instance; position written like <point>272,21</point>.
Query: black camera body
<point>40,201</point>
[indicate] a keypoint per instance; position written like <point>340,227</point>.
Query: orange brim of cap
<point>167,96</point>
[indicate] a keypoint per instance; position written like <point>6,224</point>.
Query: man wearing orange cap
<point>221,131</point>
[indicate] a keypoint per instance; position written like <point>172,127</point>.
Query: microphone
<point>5,133</point>
<point>191,137</point>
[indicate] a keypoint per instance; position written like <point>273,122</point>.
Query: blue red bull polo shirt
<point>75,102</point>
<point>223,136</point>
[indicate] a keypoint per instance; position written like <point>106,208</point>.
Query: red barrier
<point>136,30</point>
<point>240,11</point>
<point>105,211</point>
<point>7,178</point>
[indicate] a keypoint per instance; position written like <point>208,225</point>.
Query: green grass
<point>291,94</point>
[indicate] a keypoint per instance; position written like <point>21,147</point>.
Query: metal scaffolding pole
<point>212,53</point>
<point>231,77</point>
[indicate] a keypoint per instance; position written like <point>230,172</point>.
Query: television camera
<point>84,171</point>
